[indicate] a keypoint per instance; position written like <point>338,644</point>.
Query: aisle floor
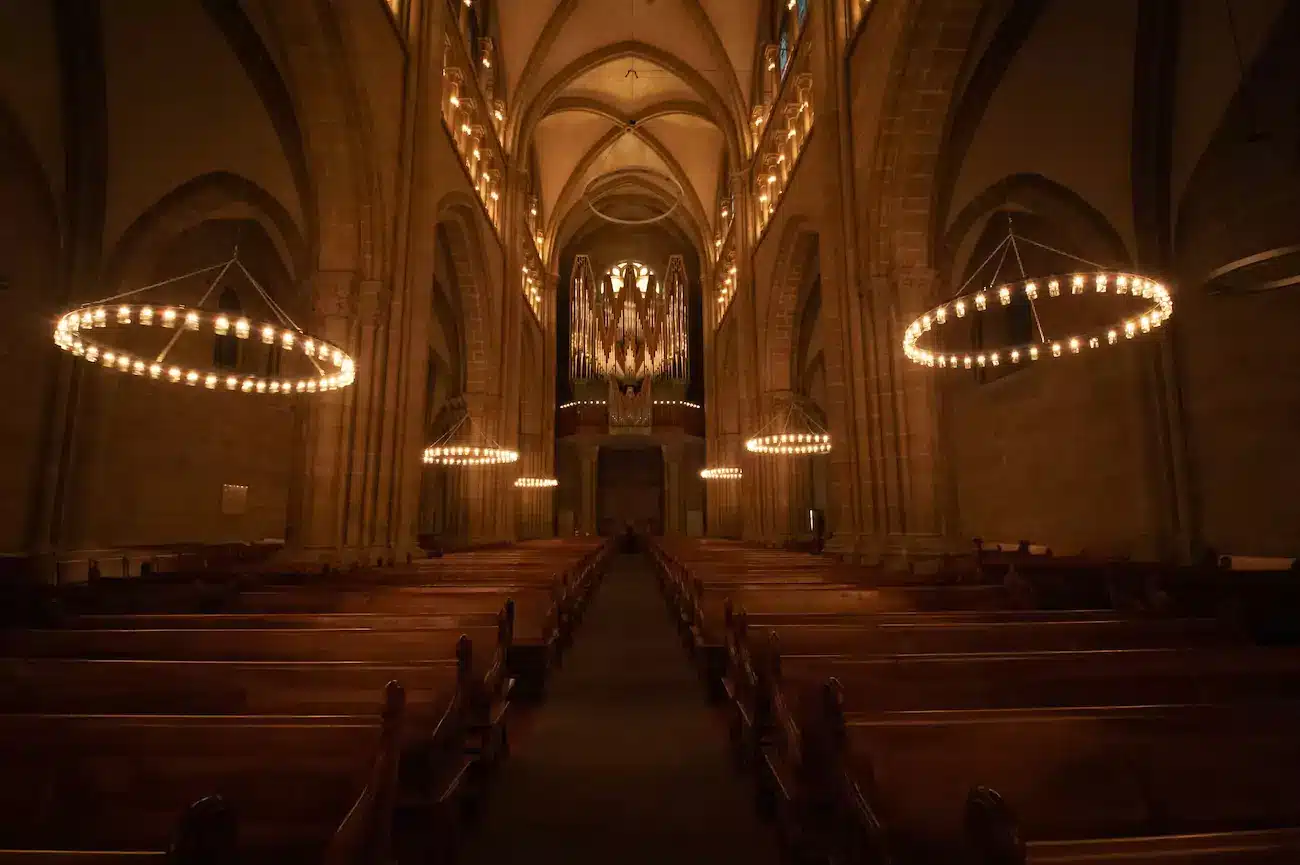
<point>625,762</point>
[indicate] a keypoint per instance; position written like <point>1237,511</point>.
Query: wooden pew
<point>709,627</point>
<point>195,644</point>
<point>299,789</point>
<point>994,836</point>
<point>1047,679</point>
<point>1068,773</point>
<point>922,636</point>
<point>773,690</point>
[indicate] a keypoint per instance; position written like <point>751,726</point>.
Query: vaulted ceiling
<point>638,102</point>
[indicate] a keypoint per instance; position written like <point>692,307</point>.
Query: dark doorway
<point>630,490</point>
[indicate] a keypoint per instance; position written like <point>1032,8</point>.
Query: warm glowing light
<point>1146,320</point>
<point>721,473</point>
<point>468,455</point>
<point>790,444</point>
<point>536,483</point>
<point>69,335</point>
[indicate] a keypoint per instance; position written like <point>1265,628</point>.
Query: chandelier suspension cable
<point>159,284</point>
<point>275,307</point>
<point>171,343</point>
<point>786,443</point>
<point>489,452</point>
<point>1033,305</point>
<point>1102,279</point>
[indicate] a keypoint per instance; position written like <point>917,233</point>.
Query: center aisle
<point>624,762</point>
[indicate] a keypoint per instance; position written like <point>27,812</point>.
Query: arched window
<point>225,350</point>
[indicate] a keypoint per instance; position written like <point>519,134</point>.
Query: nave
<point>625,761</point>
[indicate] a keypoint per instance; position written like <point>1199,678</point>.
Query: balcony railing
<point>591,417</point>
<point>473,119</point>
<point>784,130</point>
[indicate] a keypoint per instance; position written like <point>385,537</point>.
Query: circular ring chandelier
<point>1156,306</point>
<point>1161,307</point>
<point>334,368</point>
<point>794,433</point>
<point>721,473</point>
<point>536,483</point>
<point>790,444</point>
<point>470,451</point>
<point>651,220</point>
<point>466,455</point>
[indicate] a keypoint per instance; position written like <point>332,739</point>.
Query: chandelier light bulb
<point>70,335</point>
<point>721,473</point>
<point>536,483</point>
<point>1127,284</point>
<point>784,444</point>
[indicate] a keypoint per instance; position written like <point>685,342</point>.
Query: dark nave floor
<point>625,762</point>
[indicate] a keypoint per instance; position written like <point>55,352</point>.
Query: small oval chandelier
<point>470,448</point>
<point>1153,307</point>
<point>721,473</point>
<point>330,368</point>
<point>794,433</point>
<point>535,483</point>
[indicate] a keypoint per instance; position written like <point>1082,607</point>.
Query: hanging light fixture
<point>535,483</point>
<point>327,366</point>
<point>1150,305</point>
<point>465,445</point>
<point>794,433</point>
<point>721,473</point>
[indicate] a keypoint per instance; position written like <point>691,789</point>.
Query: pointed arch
<point>218,194</point>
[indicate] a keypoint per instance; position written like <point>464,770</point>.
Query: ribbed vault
<point>641,102</point>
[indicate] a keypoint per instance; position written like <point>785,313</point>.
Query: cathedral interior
<point>828,432</point>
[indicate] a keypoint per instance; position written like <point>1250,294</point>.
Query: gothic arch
<point>1242,197</point>
<point>1036,194</point>
<point>799,249</point>
<point>218,194</point>
<point>538,105</point>
<point>258,64</point>
<point>458,220</point>
<point>935,36</point>
<point>337,130</point>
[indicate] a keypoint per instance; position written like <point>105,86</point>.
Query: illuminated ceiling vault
<point>640,100</point>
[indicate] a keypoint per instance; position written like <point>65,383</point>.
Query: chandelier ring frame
<point>1078,284</point>
<point>536,483</point>
<point>632,223</point>
<point>813,442</point>
<point>70,334</point>
<point>480,451</point>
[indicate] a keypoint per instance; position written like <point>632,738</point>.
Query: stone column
<point>674,516</point>
<point>319,484</point>
<point>586,518</point>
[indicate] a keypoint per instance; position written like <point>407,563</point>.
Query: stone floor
<point>625,762</point>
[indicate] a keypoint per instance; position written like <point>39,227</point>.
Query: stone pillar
<point>314,526</point>
<point>674,513</point>
<point>586,518</point>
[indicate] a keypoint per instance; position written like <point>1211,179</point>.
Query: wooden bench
<point>1067,773</point>
<point>304,789</point>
